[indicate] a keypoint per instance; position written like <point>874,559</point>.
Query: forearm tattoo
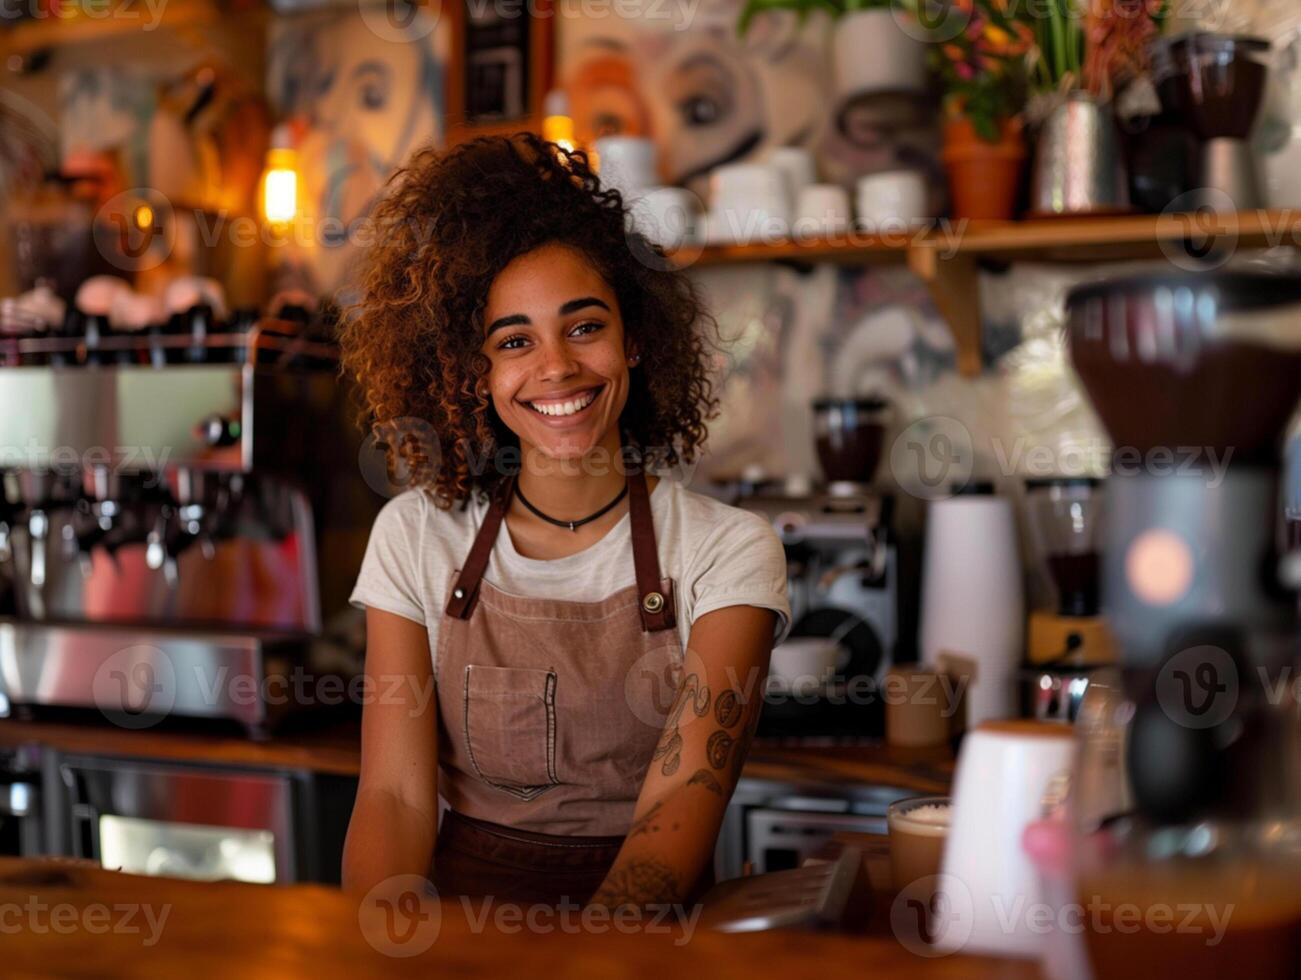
<point>669,749</point>
<point>705,778</point>
<point>648,823</point>
<point>639,883</point>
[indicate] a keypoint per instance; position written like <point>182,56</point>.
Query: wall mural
<point>683,75</point>
<point>362,93</point>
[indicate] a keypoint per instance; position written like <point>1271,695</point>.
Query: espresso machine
<point>842,578</point>
<point>178,534</point>
<point>1195,378</point>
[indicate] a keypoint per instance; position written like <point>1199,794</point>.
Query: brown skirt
<point>479,859</point>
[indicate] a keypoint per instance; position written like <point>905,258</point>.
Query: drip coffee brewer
<point>1195,378</point>
<point>1215,83</point>
<point>1066,643</point>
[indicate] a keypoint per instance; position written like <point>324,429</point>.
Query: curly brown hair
<point>449,223</point>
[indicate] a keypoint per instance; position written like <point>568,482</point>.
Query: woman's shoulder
<point>414,511</point>
<point>708,522</point>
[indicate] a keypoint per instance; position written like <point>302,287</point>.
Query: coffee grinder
<point>1065,518</point>
<point>1216,83</point>
<point>848,433</point>
<point>1068,642</point>
<point>1195,377</point>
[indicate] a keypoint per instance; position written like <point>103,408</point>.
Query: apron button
<point>459,593</point>
<point>653,602</point>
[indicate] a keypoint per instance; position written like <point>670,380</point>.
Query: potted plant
<point>980,55</point>
<point>874,47</point>
<point>1083,53</point>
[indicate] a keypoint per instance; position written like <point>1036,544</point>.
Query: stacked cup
<point>666,216</point>
<point>749,202</point>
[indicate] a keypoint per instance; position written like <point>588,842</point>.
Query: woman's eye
<point>594,326</point>
<point>510,342</point>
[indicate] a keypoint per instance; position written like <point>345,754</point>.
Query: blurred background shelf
<point>948,257</point>
<point>26,37</point>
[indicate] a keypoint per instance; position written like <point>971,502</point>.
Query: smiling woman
<point>596,635</point>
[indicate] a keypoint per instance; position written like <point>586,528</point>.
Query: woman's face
<point>559,374</point>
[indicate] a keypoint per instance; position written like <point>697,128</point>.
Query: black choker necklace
<point>572,525</point>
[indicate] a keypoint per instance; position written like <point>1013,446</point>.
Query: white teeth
<point>564,408</point>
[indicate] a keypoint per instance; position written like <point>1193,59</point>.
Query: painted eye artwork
<point>372,82</point>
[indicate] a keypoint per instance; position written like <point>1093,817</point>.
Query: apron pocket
<point>510,727</point>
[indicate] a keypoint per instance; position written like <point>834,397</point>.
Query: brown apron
<point>549,712</point>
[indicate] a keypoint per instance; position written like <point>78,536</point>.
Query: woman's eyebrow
<point>572,306</point>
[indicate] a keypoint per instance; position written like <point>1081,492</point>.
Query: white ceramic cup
<point>989,890</point>
<point>626,163</point>
<point>821,209</point>
<point>803,664</point>
<point>666,215</point>
<point>748,202</point>
<point>892,199</point>
<point>797,167</point>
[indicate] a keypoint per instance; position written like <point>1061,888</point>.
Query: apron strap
<point>655,595</point>
<point>466,590</point>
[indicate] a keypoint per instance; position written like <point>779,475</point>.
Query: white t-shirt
<point>717,556</point>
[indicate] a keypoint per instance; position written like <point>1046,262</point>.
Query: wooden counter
<point>337,749</point>
<point>66,921</point>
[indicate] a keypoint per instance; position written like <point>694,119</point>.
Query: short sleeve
<point>741,562</point>
<point>389,578</point>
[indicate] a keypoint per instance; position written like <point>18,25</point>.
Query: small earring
<point>632,361</point>
<point>481,391</point>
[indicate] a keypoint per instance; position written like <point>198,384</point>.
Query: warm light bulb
<point>280,186</point>
<point>559,130</point>
<point>144,216</point>
<point>557,125</point>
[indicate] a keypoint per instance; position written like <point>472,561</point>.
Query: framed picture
<point>501,67</point>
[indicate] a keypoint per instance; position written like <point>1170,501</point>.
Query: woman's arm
<point>697,762</point>
<point>395,819</point>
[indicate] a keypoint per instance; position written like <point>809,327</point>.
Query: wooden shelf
<point>29,36</point>
<point>947,257</point>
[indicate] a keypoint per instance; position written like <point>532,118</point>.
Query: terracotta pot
<point>984,178</point>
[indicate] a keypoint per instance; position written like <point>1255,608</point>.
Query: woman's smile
<point>569,408</point>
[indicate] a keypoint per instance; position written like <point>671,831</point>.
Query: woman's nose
<point>557,361</point>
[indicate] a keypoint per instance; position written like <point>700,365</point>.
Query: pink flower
<point>965,71</point>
